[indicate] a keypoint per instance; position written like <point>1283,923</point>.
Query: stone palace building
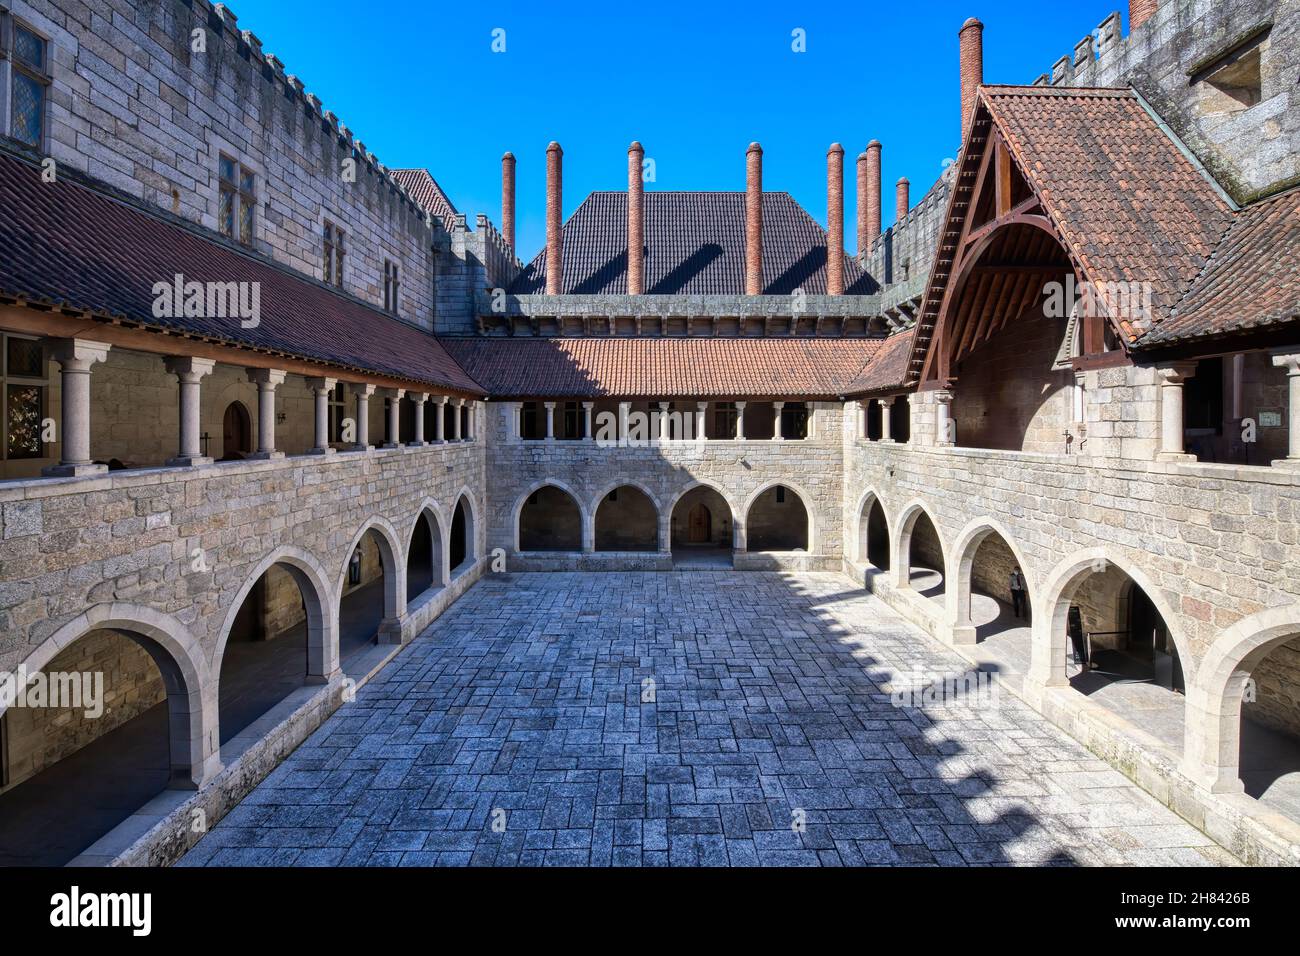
<point>270,407</point>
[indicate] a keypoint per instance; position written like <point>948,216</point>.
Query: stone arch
<point>666,513</point>
<point>959,569</point>
<point>597,500</point>
<point>901,550</point>
<point>471,512</point>
<point>1048,665</point>
<point>390,548</point>
<point>1212,739</point>
<point>429,510</point>
<point>186,675</point>
<point>320,600</point>
<point>584,520</point>
<point>860,523</point>
<point>804,498</point>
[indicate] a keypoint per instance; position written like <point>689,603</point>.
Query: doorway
<point>236,433</point>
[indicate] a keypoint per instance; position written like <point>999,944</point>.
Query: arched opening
<point>96,733</point>
<point>700,530</point>
<point>1269,746</point>
<point>550,520</point>
<point>777,521</point>
<point>873,534</point>
<point>921,555</point>
<point>988,598</point>
<point>367,597</point>
<point>462,537</point>
<point>424,557</point>
<point>626,520</point>
<point>236,432</point>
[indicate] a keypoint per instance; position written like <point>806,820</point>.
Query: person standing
<point>1018,604</point>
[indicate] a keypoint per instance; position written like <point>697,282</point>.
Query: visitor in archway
<point>1018,604</point>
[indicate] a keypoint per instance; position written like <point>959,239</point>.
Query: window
<point>29,81</point>
<point>25,383</point>
<point>238,195</point>
<point>724,420</point>
<point>390,286</point>
<point>1233,81</point>
<point>336,409</point>
<point>334,252</point>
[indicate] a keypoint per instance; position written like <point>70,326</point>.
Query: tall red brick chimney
<point>554,220</point>
<point>1140,11</point>
<point>873,191</point>
<point>635,221</point>
<point>863,239</point>
<point>835,220</point>
<point>508,200</point>
<point>902,200</point>
<point>754,220</point>
<point>971,40</point>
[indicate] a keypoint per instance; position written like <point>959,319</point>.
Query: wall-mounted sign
<point>1270,419</point>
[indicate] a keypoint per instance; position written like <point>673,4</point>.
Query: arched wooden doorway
<point>699,524</point>
<point>236,432</point>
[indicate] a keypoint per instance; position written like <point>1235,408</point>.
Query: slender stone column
<point>624,408</point>
<point>586,421</point>
<point>471,422</point>
<point>945,432</point>
<point>701,410</point>
<point>189,373</point>
<point>75,358</point>
<point>777,407</point>
<point>394,396</point>
<point>1171,410</point>
<point>363,393</point>
<point>886,406</point>
<point>440,419</point>
<point>266,379</point>
<point>550,421</point>
<point>418,399</point>
<point>516,421</point>
<point>1291,362</point>
<point>455,419</point>
<point>665,430</point>
<point>322,388</point>
<point>740,421</point>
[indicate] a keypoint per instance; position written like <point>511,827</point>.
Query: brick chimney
<point>971,41</point>
<point>873,191</point>
<point>508,200</point>
<point>863,239</point>
<point>835,220</point>
<point>902,200</point>
<point>1140,11</point>
<point>554,220</point>
<point>635,221</point>
<point>754,220</point>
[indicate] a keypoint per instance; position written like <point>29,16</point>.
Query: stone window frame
<point>334,252</point>
<point>40,74</point>
<point>218,146</point>
<point>41,382</point>
<point>392,287</point>
<point>243,197</point>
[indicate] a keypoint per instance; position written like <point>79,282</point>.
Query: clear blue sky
<point>694,82</point>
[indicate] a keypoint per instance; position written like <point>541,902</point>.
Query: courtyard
<point>701,717</point>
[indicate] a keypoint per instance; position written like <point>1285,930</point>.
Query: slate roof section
<point>70,246</point>
<point>664,368</point>
<point>1252,281</point>
<point>424,189</point>
<point>695,244</point>
<point>887,370</point>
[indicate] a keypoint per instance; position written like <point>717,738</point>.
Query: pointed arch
<point>805,499</point>
<point>597,500</point>
<point>959,571</point>
<point>394,556</point>
<point>860,524</point>
<point>900,550</point>
<point>584,533</point>
<point>428,510</point>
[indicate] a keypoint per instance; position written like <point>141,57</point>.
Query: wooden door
<point>699,525</point>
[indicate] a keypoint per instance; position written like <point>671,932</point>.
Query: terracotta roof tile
<point>424,189</point>
<point>887,370</point>
<point>695,244</point>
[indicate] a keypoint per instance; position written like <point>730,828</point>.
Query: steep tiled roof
<point>695,244</point>
<point>1251,281</point>
<point>888,368</point>
<point>424,189</point>
<point>74,247</point>
<point>663,367</point>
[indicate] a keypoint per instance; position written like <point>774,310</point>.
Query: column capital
<point>1175,373</point>
<point>419,398</point>
<point>549,405</point>
<point>189,369</point>
<point>1289,361</point>
<point>396,393</point>
<point>364,389</point>
<point>270,377</point>
<point>702,406</point>
<point>887,400</point>
<point>77,355</point>
<point>588,404</point>
<point>741,404</point>
<point>943,396</point>
<point>322,383</point>
<point>441,400</point>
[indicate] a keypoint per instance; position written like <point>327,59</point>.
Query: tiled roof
<point>424,189</point>
<point>1251,281</point>
<point>888,368</point>
<point>663,367</point>
<point>695,244</point>
<point>74,247</point>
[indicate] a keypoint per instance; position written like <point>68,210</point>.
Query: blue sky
<point>419,83</point>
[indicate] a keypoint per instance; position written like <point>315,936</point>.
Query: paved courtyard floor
<point>716,718</point>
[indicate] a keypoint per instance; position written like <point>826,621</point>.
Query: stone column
<point>586,421</point>
<point>550,421</point>
<point>75,358</point>
<point>516,421</point>
<point>440,420</point>
<point>455,419</point>
<point>394,396</point>
<point>701,410</point>
<point>945,430</point>
<point>886,406</point>
<point>1171,410</point>
<point>266,379</point>
<point>740,421</point>
<point>189,372</point>
<point>321,389</point>
<point>624,408</point>
<point>776,417</point>
<point>418,399</point>
<point>363,393</point>
<point>1291,362</point>
<point>665,430</point>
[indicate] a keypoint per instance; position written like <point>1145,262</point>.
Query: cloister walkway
<point>728,718</point>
